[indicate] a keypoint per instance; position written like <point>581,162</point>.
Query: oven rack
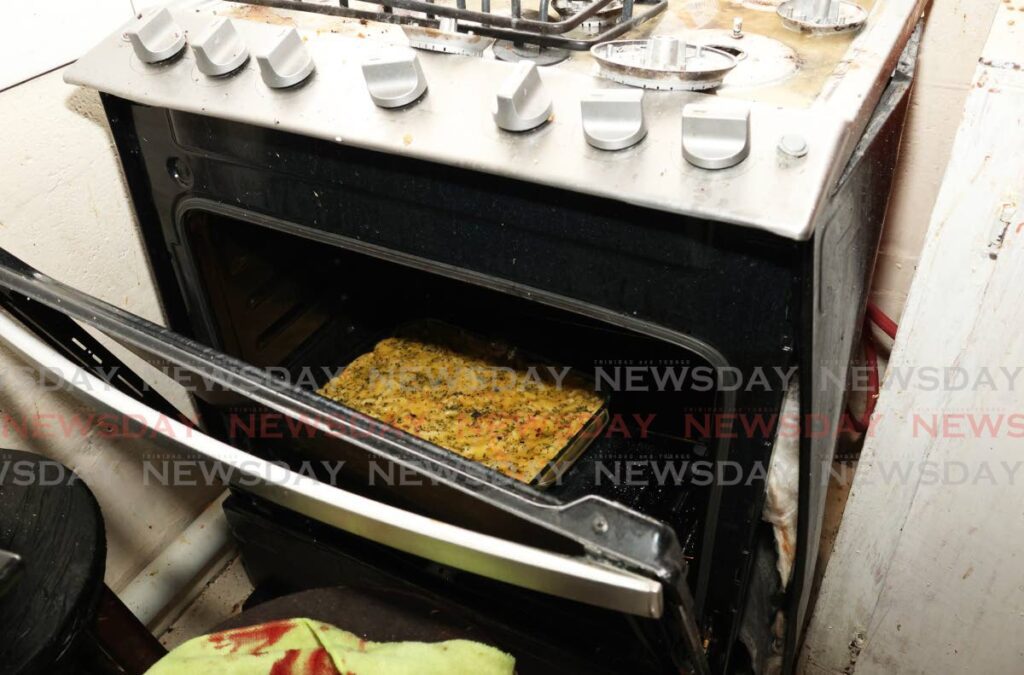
<point>516,27</point>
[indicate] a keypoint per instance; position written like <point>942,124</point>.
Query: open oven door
<point>39,320</point>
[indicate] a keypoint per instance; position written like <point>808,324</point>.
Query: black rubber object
<point>50,518</point>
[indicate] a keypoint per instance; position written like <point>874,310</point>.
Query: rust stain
<point>442,36</point>
<point>785,544</point>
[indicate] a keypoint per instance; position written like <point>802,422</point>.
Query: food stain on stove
<point>262,14</point>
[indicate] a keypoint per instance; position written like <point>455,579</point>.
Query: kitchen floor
<point>222,598</point>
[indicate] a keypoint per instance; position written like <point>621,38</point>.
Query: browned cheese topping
<point>468,396</point>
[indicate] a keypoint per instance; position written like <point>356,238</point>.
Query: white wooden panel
<point>925,574</point>
<point>38,36</point>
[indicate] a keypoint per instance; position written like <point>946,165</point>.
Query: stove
<point>639,190</point>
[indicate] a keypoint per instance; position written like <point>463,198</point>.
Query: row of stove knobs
<point>713,136</point>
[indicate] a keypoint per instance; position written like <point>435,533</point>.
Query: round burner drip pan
<point>446,38</point>
<point>506,50</point>
<point>663,63</point>
<point>604,17</point>
<point>852,17</point>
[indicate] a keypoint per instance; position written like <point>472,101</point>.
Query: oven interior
<point>284,301</point>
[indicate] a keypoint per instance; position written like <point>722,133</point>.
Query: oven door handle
<point>578,579</point>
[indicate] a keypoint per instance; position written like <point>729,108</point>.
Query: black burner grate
<point>515,27</point>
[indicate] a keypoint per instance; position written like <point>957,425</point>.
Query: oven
<point>282,252</point>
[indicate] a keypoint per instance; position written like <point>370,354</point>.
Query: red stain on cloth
<point>285,664</point>
<point>254,640</point>
<point>320,663</point>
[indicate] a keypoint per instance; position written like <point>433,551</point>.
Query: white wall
<point>36,37</point>
<point>64,209</point>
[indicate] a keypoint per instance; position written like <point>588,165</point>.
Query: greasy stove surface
<point>810,61</point>
<point>822,89</point>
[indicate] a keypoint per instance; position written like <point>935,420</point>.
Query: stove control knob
<point>522,102</point>
<point>285,61</point>
<point>715,136</point>
<point>156,37</point>
<point>220,50</point>
<point>613,119</point>
<point>394,80</point>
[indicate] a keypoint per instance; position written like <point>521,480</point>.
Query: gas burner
<point>604,18</point>
<point>822,17</point>
<point>506,50</point>
<point>446,38</point>
<point>663,63</point>
<point>515,51</point>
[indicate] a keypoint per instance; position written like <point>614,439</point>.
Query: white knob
<point>715,135</point>
<point>613,119</point>
<point>522,102</point>
<point>156,37</point>
<point>220,50</point>
<point>394,80</point>
<point>285,61</point>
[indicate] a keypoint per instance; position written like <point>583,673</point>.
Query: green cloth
<point>306,647</point>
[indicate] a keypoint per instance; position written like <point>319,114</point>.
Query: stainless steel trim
<point>564,576</point>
